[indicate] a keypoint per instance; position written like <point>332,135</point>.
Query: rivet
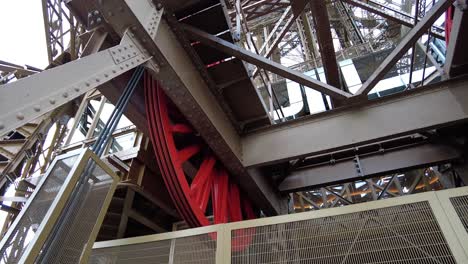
<point>106,75</point>
<point>37,108</point>
<point>65,95</point>
<point>110,14</point>
<point>97,80</point>
<point>134,53</point>
<point>129,56</point>
<point>138,60</point>
<point>113,52</point>
<point>87,84</point>
<point>76,89</point>
<point>117,60</point>
<point>119,49</point>
<point>123,57</point>
<point>131,46</point>
<point>121,67</point>
<point>20,116</point>
<point>114,71</point>
<point>126,64</point>
<point>133,62</point>
<point>2,126</point>
<point>52,101</point>
<point>125,48</point>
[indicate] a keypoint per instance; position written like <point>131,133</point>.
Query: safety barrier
<point>429,227</point>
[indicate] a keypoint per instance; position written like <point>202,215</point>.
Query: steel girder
<point>420,109</point>
<point>369,166</point>
<point>456,62</point>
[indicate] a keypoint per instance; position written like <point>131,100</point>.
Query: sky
<point>22,37</point>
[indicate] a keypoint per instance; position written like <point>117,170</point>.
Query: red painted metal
<point>176,143</point>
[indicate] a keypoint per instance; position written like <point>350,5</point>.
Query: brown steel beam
<point>420,109</point>
<point>408,40</point>
<point>264,63</point>
<point>370,166</point>
<point>325,41</point>
<point>456,62</point>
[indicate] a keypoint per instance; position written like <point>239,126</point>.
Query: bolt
<point>65,95</point>
<point>87,84</point>
<point>117,60</point>
<point>119,49</point>
<point>126,64</point>
<point>20,116</point>
<point>121,67</point>
<point>37,108</point>
<point>76,89</point>
<point>134,53</point>
<point>106,75</point>
<point>129,55</point>
<point>114,71</point>
<point>52,101</point>
<point>113,52</point>
<point>97,80</point>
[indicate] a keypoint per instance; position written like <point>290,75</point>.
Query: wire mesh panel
<point>68,244</point>
<point>25,229</point>
<point>461,207</point>
<point>190,250</point>
<point>406,233</point>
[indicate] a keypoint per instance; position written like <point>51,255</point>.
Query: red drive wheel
<point>176,145</point>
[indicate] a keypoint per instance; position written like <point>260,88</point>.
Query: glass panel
<point>25,230</point>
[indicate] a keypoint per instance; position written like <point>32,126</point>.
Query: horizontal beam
<point>420,109</point>
<point>408,40</point>
<point>370,165</point>
<point>264,63</point>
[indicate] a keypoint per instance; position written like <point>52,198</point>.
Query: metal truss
<point>376,188</point>
<point>62,30</point>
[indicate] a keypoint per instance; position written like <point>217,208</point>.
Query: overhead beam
<point>378,11</point>
<point>456,60</point>
<point>370,165</point>
<point>184,84</point>
<point>408,40</point>
<point>325,41</point>
<point>419,109</point>
<point>264,63</point>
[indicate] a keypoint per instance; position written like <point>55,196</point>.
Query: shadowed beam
<point>456,62</point>
<point>413,35</point>
<point>264,63</point>
<point>324,37</point>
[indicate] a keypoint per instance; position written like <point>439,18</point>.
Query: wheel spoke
<point>181,128</point>
<point>220,196</point>
<point>201,184</point>
<point>186,153</point>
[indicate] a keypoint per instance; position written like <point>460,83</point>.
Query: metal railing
<point>428,227</point>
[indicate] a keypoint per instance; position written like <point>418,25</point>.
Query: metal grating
<point>24,231</point>
<point>68,244</point>
<point>190,250</point>
<point>399,234</point>
<point>461,207</point>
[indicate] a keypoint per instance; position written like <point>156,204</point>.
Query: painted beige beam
<point>420,109</point>
<point>264,63</point>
